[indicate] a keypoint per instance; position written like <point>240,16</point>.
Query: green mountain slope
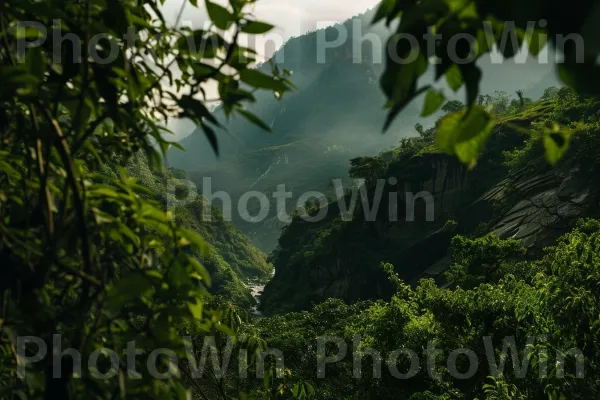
<point>512,193</point>
<point>335,115</point>
<point>232,259</point>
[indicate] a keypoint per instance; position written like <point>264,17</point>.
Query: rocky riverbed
<point>257,289</point>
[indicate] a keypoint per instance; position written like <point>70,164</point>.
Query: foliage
<point>433,101</point>
<point>550,93</point>
<point>570,127</point>
<point>477,261</point>
<point>453,106</point>
<point>489,24</point>
<point>92,250</point>
<point>552,301</point>
<point>456,133</point>
<point>340,258</point>
<point>87,251</point>
<point>232,257</point>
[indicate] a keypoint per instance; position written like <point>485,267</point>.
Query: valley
<point>277,200</point>
<point>324,131</point>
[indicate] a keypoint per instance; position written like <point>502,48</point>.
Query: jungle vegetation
<point>89,251</point>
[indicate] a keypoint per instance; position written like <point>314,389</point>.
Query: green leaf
<point>583,77</point>
<point>433,101</point>
<point>396,108</point>
<point>384,10</point>
<point>472,76</point>
<point>454,77</point>
<point>219,15</point>
<point>36,62</point>
<point>195,239</point>
<point>254,119</point>
<point>399,80</point>
<point>257,79</point>
<point>211,136</point>
<point>102,191</point>
<point>16,77</point>
<point>537,41</point>
<point>257,27</point>
<point>464,133</point>
<point>202,71</point>
<point>196,110</point>
<point>200,270</point>
<point>178,275</point>
<point>196,308</point>
<point>126,289</point>
<point>556,143</point>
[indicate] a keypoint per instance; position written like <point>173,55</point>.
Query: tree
<point>521,98</point>
<point>90,254</point>
<point>477,261</point>
<point>452,106</point>
<point>500,101</point>
<point>86,251</point>
<point>550,92</point>
<point>484,99</point>
<point>546,310</point>
<point>420,129</point>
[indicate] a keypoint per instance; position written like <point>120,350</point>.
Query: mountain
<point>513,192</point>
<point>335,115</point>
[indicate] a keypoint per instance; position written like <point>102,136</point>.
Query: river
<point>257,290</point>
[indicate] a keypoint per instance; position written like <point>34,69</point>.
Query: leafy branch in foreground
<point>482,26</point>
<point>85,251</point>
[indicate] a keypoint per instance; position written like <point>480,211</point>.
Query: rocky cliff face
<point>535,204</point>
<point>538,206</point>
<point>336,258</point>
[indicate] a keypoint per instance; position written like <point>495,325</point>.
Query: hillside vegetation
<point>504,294</point>
<point>512,192</point>
<point>231,259</point>
<point>428,342</point>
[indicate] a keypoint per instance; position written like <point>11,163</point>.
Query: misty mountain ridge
<point>336,114</point>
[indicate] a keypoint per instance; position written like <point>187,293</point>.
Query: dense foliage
<point>232,259</point>
<point>87,252</point>
<point>546,307</point>
<point>340,257</point>
<point>97,254</point>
